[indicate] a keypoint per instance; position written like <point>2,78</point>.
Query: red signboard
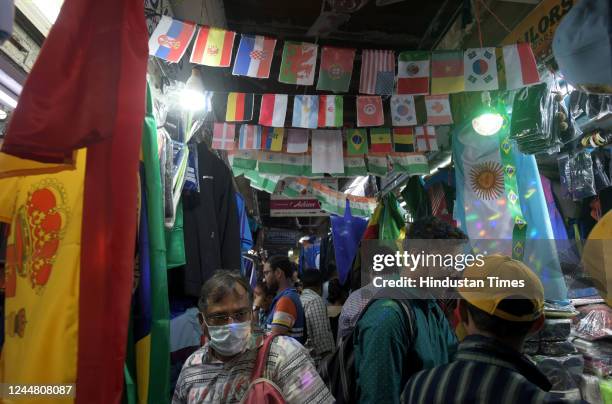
<point>283,207</point>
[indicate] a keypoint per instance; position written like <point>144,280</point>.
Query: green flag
<point>357,141</point>
<point>392,222</point>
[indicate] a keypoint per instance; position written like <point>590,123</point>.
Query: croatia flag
<point>170,39</point>
<point>254,56</point>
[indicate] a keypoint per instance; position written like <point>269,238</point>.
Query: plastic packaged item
<point>602,181</point>
<point>596,323</point>
<point>597,356</point>
<point>564,372</point>
<point>565,177</point>
<point>554,330</point>
<point>589,387</point>
<point>582,178</point>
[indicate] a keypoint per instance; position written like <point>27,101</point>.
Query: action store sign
<point>281,206</point>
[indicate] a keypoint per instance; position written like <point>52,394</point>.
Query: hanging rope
<point>494,15</point>
<point>478,23</point>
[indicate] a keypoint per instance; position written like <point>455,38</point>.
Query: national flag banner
<point>413,73</point>
<point>370,111</point>
<point>378,165</point>
<point>305,111</point>
<point>250,137</point>
<point>223,136</point>
<point>262,182</point>
<point>362,206</point>
<point>377,72</point>
<point>297,141</point>
<point>354,166</point>
<point>273,110</point>
<point>403,111</point>
<point>357,141</point>
<point>270,163</point>
<point>336,69</point>
<point>244,159</point>
<point>438,110</point>
<point>298,63</point>
<point>294,164</point>
<point>331,111</point>
<point>239,107</point>
<point>520,66</point>
<point>480,69</point>
<point>447,72</point>
<point>380,140</point>
<point>272,138</point>
<point>403,140</point>
<point>170,39</point>
<point>254,57</point>
<point>213,47</point>
<point>327,152</point>
<point>295,187</point>
<point>425,137</point>
<point>413,164</point>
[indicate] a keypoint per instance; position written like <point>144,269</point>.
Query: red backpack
<point>262,390</point>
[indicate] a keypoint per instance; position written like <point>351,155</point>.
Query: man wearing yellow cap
<point>489,366</point>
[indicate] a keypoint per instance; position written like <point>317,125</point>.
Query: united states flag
<point>377,72</point>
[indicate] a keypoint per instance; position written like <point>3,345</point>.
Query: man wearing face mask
<point>220,371</point>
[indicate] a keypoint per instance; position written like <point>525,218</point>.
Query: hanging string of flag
<point>415,73</point>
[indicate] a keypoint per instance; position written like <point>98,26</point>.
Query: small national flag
<point>305,111</point>
<point>447,72</point>
<point>250,137</point>
<point>294,164</point>
<point>270,163</point>
<point>378,165</point>
<point>297,141</point>
<point>377,72</point>
<point>414,164</point>
<point>298,63</point>
<point>380,140</point>
<point>354,166</point>
<point>403,140</point>
<point>413,73</point>
<point>223,136</point>
<point>438,110</point>
<point>426,138</point>
<point>273,110</point>
<point>369,111</point>
<point>213,47</point>
<point>403,112</point>
<point>244,159</point>
<point>336,69</point>
<point>239,107</point>
<point>272,138</point>
<point>520,66</point>
<point>480,69</point>
<point>331,111</point>
<point>327,152</point>
<point>357,141</point>
<point>170,39</point>
<point>254,56</point>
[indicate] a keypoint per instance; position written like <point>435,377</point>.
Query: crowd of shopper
<point>405,349</point>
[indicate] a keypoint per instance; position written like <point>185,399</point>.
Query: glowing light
<point>530,193</point>
<point>495,216</point>
<point>3,115</point>
<point>193,97</point>
<point>479,225</point>
<point>488,124</point>
<point>482,233</point>
<point>501,202</point>
<point>471,217</point>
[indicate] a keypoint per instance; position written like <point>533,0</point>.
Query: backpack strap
<point>262,356</point>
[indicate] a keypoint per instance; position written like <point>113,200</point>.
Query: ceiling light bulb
<point>193,96</point>
<point>488,123</point>
<point>3,115</point>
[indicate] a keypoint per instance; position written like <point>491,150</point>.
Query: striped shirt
<point>484,371</point>
<point>319,337</point>
<point>204,379</point>
<point>287,312</point>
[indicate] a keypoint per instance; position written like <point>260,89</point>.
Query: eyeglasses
<point>224,318</point>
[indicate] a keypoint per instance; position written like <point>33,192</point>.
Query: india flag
<point>412,164</point>
<point>330,111</point>
<point>378,165</point>
<point>293,164</point>
<point>270,163</point>
<point>354,166</point>
<point>244,159</point>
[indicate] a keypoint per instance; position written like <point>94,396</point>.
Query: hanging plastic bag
<point>582,178</point>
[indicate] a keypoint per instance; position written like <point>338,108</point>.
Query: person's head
<point>278,272</point>
<point>225,306</point>
<point>262,297</point>
<point>430,227</point>
<point>311,279</point>
<point>505,312</point>
<point>336,294</point>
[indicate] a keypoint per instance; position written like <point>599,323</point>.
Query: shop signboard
<point>281,237</point>
<point>281,206</point>
<point>539,27</point>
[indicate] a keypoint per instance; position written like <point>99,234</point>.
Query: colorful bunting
<point>520,66</point>
<point>331,111</point>
<point>413,73</point>
<point>354,166</point>
<point>294,164</point>
<point>244,159</point>
<point>254,56</point>
<point>213,47</point>
<point>273,110</point>
<point>380,140</point>
<point>414,164</point>
<point>426,138</point>
<point>357,141</point>
<point>438,110</point>
<point>336,69</point>
<point>239,107</point>
<point>480,69</point>
<point>378,165</point>
<point>170,39</point>
<point>272,138</point>
<point>377,72</point>
<point>403,111</point>
<point>223,136</point>
<point>305,111</point>
<point>298,63</point>
<point>447,72</point>
<point>403,140</point>
<point>250,137</point>
<point>270,163</point>
<point>297,141</point>
<point>370,111</point>
<point>327,152</point>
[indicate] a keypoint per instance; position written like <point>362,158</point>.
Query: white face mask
<point>230,339</point>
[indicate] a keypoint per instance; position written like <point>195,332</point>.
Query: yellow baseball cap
<point>597,256</point>
<point>503,278</point>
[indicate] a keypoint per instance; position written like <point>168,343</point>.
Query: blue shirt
<point>287,312</point>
